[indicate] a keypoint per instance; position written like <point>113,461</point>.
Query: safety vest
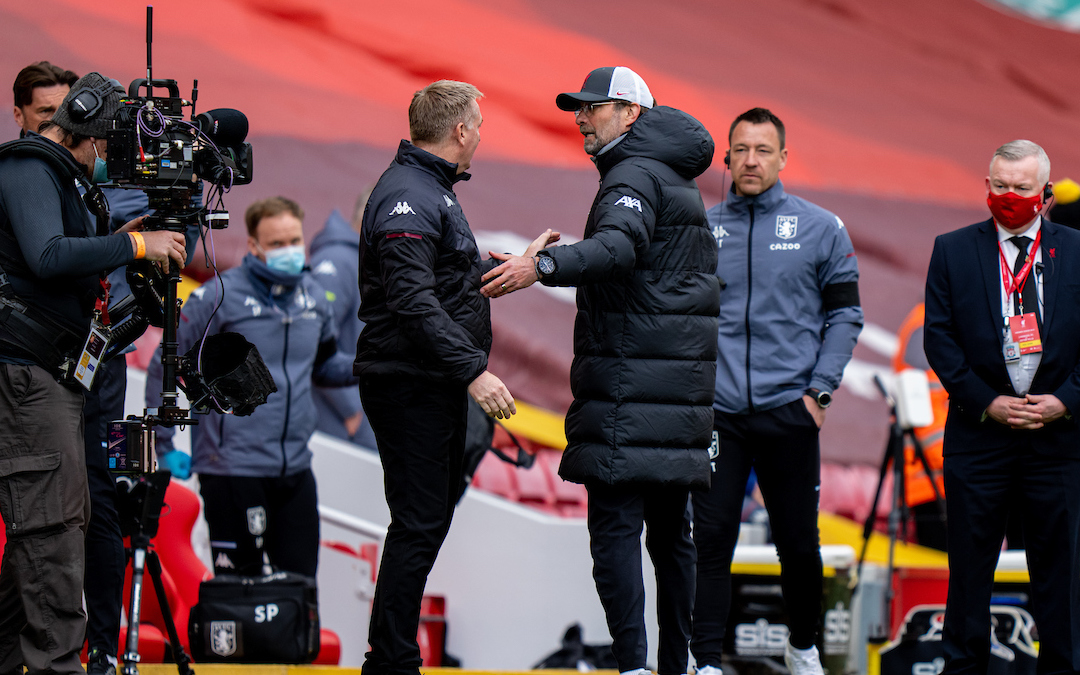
<point>919,490</point>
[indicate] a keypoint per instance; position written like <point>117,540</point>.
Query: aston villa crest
<point>256,520</point>
<point>223,637</point>
<point>787,226</point>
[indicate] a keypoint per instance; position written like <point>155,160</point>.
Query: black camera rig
<point>152,148</point>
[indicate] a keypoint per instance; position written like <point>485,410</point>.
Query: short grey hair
<point>1014,151</point>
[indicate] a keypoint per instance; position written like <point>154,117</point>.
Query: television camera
<point>152,148</point>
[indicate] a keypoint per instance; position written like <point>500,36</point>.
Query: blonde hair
<point>438,108</point>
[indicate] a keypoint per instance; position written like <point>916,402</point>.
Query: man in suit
<point>1002,320</point>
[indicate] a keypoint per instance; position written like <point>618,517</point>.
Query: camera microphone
<point>225,126</point>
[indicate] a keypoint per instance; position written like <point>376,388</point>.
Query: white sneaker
<point>803,661</point>
<point>708,670</point>
<point>639,671</point>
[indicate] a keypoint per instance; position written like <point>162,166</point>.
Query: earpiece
<point>1048,192</point>
<point>727,158</point>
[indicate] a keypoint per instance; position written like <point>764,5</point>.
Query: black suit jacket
<point>963,337</point>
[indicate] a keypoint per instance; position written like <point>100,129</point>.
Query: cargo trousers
<point>45,505</point>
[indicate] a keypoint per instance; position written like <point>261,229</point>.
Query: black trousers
<point>105,557</point>
<point>248,516</point>
<point>616,515</point>
<point>420,428</point>
<point>983,487</point>
<point>782,446</point>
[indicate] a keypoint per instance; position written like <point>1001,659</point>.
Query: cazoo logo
<point>784,247</point>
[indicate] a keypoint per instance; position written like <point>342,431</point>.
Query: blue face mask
<point>287,259</point>
<point>101,170</point>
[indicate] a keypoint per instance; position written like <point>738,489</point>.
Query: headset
<point>1048,193</point>
<point>727,158</point>
<point>87,103</point>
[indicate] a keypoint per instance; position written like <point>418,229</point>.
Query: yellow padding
<point>538,425</point>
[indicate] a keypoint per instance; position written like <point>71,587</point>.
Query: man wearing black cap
<point>639,429</point>
<point>53,264</point>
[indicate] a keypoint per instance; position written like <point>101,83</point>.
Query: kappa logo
<point>629,202</point>
<point>256,520</point>
<point>401,209</point>
<point>840,224</point>
<point>223,561</point>
<point>255,305</point>
<point>718,234</point>
<point>787,226</point>
<point>199,292</point>
<point>223,637</point>
<point>449,202</point>
<point>326,267</point>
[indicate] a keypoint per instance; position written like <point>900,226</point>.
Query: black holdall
<point>269,619</point>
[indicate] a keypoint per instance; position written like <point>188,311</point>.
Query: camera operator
<point>54,263</point>
<point>255,473</point>
<point>38,89</point>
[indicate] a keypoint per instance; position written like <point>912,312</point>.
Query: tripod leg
<point>183,661</point>
<point>868,524</point>
<point>131,652</point>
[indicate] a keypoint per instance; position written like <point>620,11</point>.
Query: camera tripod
<point>145,499</point>
<point>899,512</point>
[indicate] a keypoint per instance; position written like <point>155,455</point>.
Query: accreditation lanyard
<point>1015,283</point>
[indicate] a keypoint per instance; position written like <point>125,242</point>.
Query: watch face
<point>546,265</point>
<point>824,399</point>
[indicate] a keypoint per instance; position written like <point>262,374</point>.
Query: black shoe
<point>97,663</point>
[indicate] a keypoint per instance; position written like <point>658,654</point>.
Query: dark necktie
<point>1030,292</point>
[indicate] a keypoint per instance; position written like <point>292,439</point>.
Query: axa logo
<point>629,202</point>
<point>787,226</point>
<point>401,209</point>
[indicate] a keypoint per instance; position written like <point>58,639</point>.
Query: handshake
<point>516,271</point>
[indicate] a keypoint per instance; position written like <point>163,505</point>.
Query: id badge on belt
<point>1025,338</point>
<point>96,344</point>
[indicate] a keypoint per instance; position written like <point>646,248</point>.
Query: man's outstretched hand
<point>517,271</point>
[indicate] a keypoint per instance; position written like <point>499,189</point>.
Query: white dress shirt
<point>1021,372</point>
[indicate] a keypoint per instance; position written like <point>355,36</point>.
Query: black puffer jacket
<point>420,275</point>
<point>648,301</point>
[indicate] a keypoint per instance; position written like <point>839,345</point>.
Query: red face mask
<point>1012,210</point>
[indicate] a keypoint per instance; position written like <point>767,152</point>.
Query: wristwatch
<point>823,398</point>
<point>545,265</point>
